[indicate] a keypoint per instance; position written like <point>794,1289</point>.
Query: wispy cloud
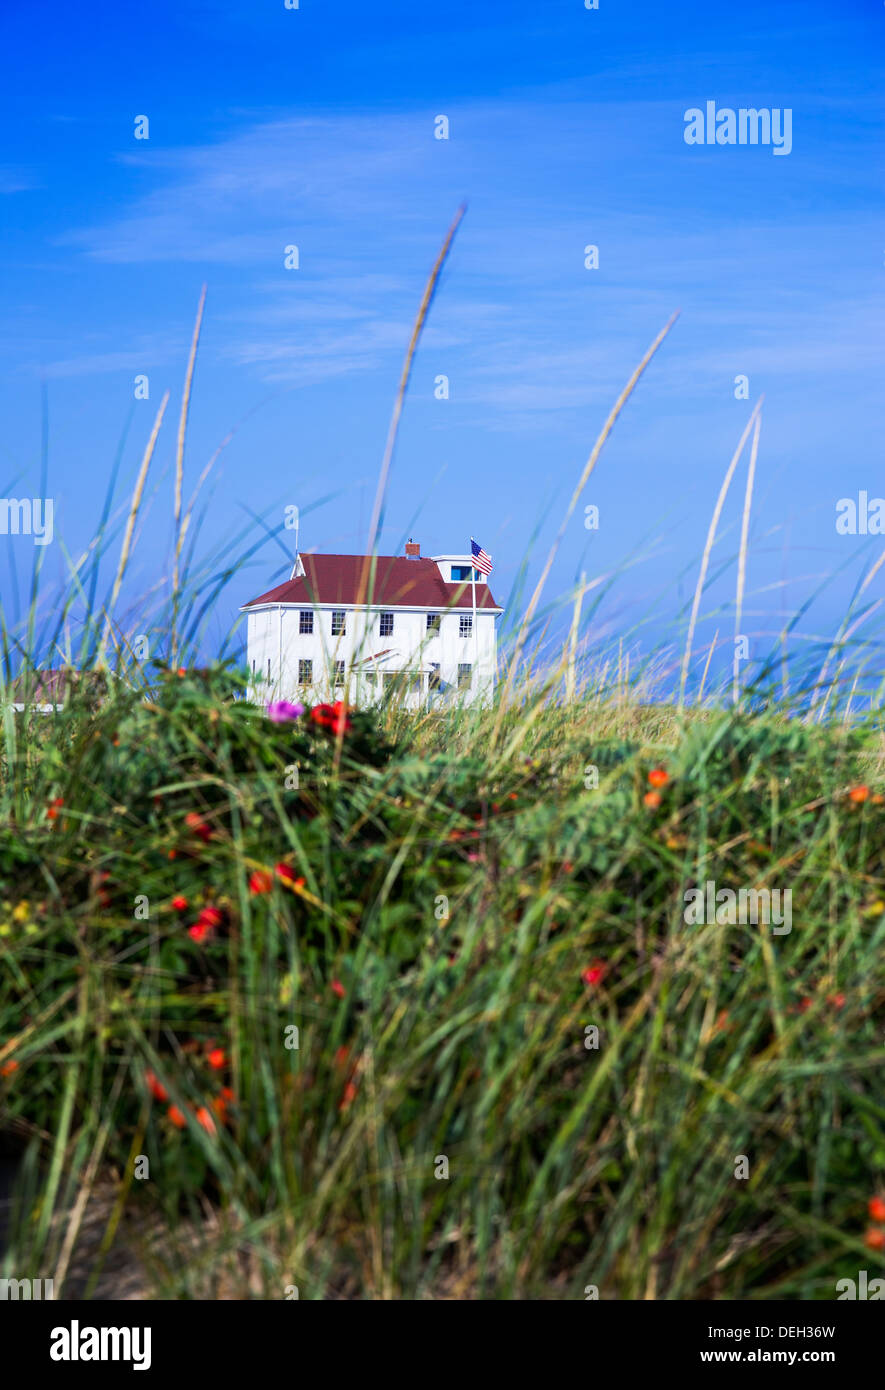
<point>17,180</point>
<point>365,196</point>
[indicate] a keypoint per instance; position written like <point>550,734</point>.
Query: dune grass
<point>433,963</point>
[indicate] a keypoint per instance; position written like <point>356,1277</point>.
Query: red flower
<point>595,972</point>
<point>348,1095</point>
<point>179,903</point>
<point>52,808</point>
<point>875,1239</point>
<point>217,1059</point>
<point>210,916</point>
<point>176,1117</point>
<point>335,717</point>
<point>260,882</point>
<point>338,988</point>
<point>158,1091</point>
<point>286,874</point>
<point>858,793</point>
<point>658,777</point>
<point>877,1209</point>
<point>195,822</point>
<point>199,931</point>
<point>8,1068</point>
<point>837,1000</point>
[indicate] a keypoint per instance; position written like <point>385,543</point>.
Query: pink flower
<point>282,712</point>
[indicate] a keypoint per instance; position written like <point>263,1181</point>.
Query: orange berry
<point>8,1068</point>
<point>859,793</point>
<point>877,1209</point>
<point>204,1118</point>
<point>157,1090</point>
<point>260,882</point>
<point>176,1117</point>
<point>875,1239</point>
<point>652,800</point>
<point>658,777</point>
<point>217,1059</point>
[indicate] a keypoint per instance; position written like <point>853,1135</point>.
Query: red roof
<point>398,581</point>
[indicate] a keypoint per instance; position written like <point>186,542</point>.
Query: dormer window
<point>462,572</point>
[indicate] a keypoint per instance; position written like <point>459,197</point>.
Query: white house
<point>415,635</point>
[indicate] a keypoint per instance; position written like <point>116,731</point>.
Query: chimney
<point>413,550</point>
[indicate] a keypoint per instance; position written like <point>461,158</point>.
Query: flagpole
<point>475,671</point>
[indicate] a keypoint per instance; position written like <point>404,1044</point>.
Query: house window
<point>369,678</point>
<point>268,668</point>
<point>466,621</point>
<point>386,624</point>
<point>462,572</point>
<point>433,678</point>
<point>465,675</point>
<point>305,620</point>
<point>338,616</point>
<point>339,673</point>
<point>433,622</point>
<point>305,673</point>
<point>253,668</point>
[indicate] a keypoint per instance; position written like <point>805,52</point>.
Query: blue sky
<point>315,127</point>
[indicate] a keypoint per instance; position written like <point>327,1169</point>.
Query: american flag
<point>482,561</point>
